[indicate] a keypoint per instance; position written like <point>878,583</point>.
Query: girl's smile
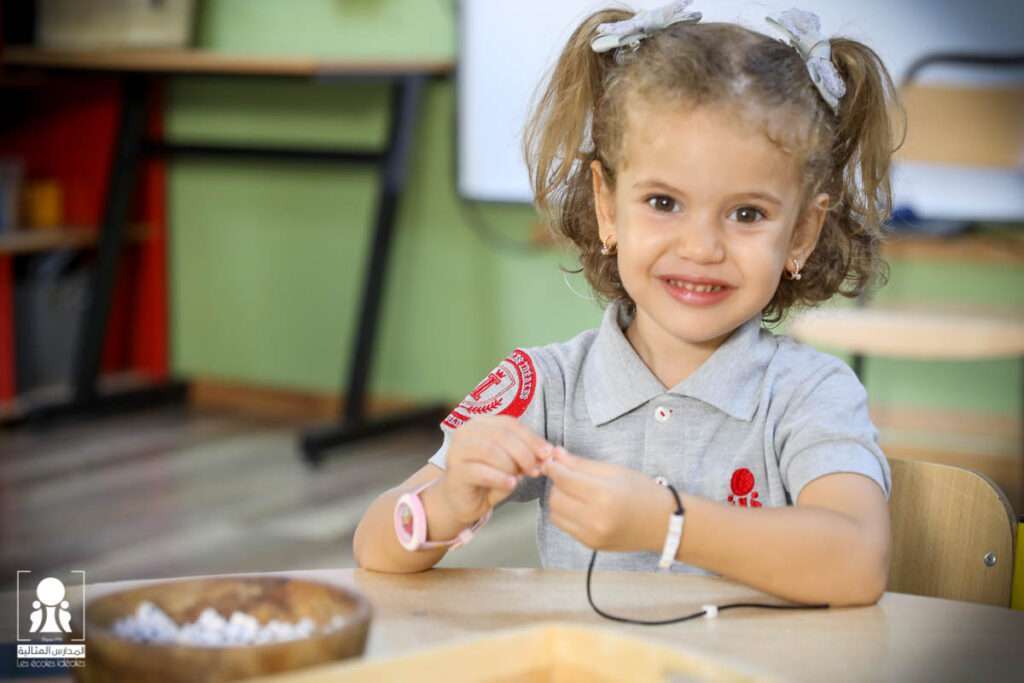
<point>695,294</point>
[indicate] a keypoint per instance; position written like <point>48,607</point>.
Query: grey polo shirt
<point>762,417</point>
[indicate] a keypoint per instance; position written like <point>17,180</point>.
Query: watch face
<point>405,515</point>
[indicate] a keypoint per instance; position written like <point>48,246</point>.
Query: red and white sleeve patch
<point>507,390</point>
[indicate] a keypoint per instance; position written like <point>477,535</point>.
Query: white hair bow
<point>630,32</point>
<point>804,32</point>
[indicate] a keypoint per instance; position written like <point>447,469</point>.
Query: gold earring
<point>608,245</point>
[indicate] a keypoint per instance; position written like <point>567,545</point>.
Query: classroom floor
<point>177,492</point>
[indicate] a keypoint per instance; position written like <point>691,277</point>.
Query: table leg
<point>120,192</point>
<point>404,104</point>
<point>124,170</point>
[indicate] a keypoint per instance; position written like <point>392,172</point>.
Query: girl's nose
<point>699,241</point>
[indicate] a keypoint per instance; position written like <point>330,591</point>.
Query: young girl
<point>711,177</point>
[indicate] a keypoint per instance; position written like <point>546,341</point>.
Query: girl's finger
<point>528,456</point>
<point>576,462</point>
<point>514,429</point>
<point>484,476</point>
<point>540,448</point>
<point>495,496</point>
<point>519,451</point>
<point>576,484</point>
<point>489,451</point>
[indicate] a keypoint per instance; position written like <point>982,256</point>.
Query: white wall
<point>506,49</point>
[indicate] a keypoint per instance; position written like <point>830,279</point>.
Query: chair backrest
<point>952,534</point>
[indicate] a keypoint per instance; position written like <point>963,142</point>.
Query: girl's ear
<point>808,228</point>
<point>604,201</point>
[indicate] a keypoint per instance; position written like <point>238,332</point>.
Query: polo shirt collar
<point>616,380</point>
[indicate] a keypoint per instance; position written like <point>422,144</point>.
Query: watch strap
<point>411,522</point>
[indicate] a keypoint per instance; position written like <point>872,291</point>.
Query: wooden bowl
<point>110,657</point>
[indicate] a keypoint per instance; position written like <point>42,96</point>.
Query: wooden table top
<point>903,637</point>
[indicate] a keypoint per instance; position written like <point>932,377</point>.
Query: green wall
<point>267,257</point>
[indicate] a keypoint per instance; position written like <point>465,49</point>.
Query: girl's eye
<point>747,214</point>
<point>661,203</point>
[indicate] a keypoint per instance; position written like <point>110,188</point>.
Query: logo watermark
<point>46,633</point>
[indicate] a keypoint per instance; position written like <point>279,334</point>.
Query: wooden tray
<point>549,653</point>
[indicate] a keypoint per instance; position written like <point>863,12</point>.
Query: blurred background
<point>252,251</point>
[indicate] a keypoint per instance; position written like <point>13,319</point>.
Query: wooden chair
<point>952,534</point>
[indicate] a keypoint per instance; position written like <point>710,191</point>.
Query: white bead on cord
<point>710,611</point>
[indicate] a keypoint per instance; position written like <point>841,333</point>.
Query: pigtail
<point>558,131</point>
<point>560,142</point>
<point>865,135</point>
<point>865,138</point>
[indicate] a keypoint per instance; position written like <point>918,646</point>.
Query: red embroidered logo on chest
<point>742,485</point>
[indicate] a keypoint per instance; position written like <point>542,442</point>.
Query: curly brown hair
<point>580,117</point>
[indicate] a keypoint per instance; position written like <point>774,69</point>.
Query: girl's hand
<point>605,506</point>
<point>486,459</point>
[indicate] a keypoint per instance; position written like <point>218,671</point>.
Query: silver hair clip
<point>803,30</point>
<point>631,32</point>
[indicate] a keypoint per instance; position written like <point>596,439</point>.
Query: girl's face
<point>701,196</point>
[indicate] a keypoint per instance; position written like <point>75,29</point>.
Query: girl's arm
<point>376,545</point>
<point>832,547</point>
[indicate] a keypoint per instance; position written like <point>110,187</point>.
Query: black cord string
<point>688,617</point>
<point>680,510</point>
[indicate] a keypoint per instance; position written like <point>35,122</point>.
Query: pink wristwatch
<point>411,523</point>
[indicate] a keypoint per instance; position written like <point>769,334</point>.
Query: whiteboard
<point>506,51</point>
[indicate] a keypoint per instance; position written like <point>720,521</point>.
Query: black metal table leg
<point>85,397</point>
<point>406,94</point>
<point>120,191</point>
<point>405,98</point>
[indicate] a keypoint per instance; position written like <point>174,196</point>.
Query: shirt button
<point>662,414</point>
